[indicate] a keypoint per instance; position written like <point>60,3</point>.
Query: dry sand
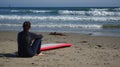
<point>87,51</point>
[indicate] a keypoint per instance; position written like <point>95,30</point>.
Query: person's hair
<point>26,25</point>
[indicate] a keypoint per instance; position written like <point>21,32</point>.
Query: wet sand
<point>87,51</point>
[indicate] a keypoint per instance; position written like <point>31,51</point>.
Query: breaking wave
<point>89,12</point>
<point>56,25</point>
<point>89,26</point>
<point>32,11</point>
<point>58,18</point>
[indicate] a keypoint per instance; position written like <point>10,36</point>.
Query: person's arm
<point>35,36</point>
<point>18,40</point>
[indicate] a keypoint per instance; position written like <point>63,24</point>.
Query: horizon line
<point>56,6</point>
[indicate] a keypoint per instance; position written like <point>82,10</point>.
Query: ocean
<point>103,21</point>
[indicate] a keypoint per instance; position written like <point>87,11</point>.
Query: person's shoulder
<point>32,33</point>
<point>20,32</point>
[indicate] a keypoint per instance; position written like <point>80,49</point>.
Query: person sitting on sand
<point>29,43</point>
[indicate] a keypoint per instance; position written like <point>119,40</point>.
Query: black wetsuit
<point>25,46</point>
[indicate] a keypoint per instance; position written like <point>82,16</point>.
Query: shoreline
<point>91,34</point>
<point>87,51</point>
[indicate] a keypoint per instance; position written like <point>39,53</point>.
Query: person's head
<point>26,26</point>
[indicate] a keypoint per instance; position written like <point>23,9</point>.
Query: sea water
<point>86,20</point>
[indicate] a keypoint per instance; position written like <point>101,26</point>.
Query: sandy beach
<point>87,51</point>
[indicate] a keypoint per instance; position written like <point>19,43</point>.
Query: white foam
<point>68,26</point>
<point>59,18</point>
<point>72,12</point>
<point>40,11</point>
<point>15,25</point>
<point>103,13</point>
<point>32,11</point>
<point>14,10</point>
<point>118,9</point>
<point>94,26</point>
<point>95,12</point>
<point>99,9</point>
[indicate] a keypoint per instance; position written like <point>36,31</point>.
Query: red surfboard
<point>45,47</point>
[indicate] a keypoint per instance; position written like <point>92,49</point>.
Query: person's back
<point>24,41</point>
<point>25,45</point>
